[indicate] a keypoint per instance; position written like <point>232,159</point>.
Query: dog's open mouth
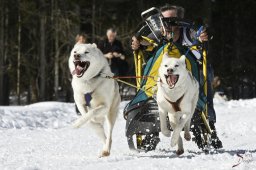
<point>80,67</point>
<point>171,80</point>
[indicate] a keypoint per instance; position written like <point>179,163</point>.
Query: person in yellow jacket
<point>183,36</point>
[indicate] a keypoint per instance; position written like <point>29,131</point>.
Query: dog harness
<point>88,98</point>
<point>175,105</point>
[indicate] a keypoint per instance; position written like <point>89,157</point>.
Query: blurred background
<point>36,38</point>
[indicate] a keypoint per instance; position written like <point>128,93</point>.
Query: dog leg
<point>180,149</point>
<point>163,123</point>
<point>80,103</point>
<point>108,142</point>
<point>181,119</point>
<point>176,132</point>
<point>175,136</point>
<point>187,135</point>
<point>100,110</point>
<point>99,129</point>
<point>110,121</point>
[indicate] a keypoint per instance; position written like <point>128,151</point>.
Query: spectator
<point>81,38</point>
<point>113,51</point>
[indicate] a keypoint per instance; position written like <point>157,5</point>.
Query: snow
<point>40,136</point>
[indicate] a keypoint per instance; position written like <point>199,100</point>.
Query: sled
<point>141,113</point>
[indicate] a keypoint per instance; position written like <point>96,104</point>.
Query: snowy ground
<point>40,136</point>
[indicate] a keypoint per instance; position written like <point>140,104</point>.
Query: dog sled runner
<point>141,113</point>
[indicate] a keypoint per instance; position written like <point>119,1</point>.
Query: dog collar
<point>97,75</point>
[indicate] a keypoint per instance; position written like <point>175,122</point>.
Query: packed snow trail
<point>40,136</point>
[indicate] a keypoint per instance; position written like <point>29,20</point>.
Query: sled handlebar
<point>149,12</point>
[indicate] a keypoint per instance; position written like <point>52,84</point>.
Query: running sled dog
<point>97,98</point>
<point>177,97</point>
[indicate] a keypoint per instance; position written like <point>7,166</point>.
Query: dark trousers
<point>211,111</point>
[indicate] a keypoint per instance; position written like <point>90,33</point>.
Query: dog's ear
<point>94,45</point>
<point>183,59</point>
<point>165,56</point>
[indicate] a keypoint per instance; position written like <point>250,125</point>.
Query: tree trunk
<point>42,52</point>
<point>93,21</point>
<point>56,57</point>
<point>1,51</point>
<point>237,40</point>
<point>4,77</point>
<point>18,57</point>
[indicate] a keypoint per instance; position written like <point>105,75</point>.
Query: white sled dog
<point>177,97</point>
<point>97,98</point>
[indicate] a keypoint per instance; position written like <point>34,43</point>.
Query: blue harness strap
<point>88,98</point>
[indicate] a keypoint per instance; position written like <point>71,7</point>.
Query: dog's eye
<point>165,65</point>
<point>86,52</point>
<point>176,65</point>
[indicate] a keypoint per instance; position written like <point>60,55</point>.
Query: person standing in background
<point>113,51</point>
<point>81,38</point>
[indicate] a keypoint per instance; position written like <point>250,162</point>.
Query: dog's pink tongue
<point>77,70</point>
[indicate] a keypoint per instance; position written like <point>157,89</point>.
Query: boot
<point>216,142</point>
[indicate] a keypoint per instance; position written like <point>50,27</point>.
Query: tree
<point>18,55</point>
<point>55,21</point>
<point>4,77</point>
<point>42,56</point>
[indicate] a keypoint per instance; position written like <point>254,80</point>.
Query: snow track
<point>40,136</point>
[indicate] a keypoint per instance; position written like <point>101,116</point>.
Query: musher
<point>181,37</point>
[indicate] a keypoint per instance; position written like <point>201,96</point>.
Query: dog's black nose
<point>170,71</point>
<point>76,56</point>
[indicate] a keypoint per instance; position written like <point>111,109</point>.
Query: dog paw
<point>77,124</point>
<point>80,122</point>
<point>104,154</point>
<point>180,152</point>
<point>187,136</point>
<point>166,133</point>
